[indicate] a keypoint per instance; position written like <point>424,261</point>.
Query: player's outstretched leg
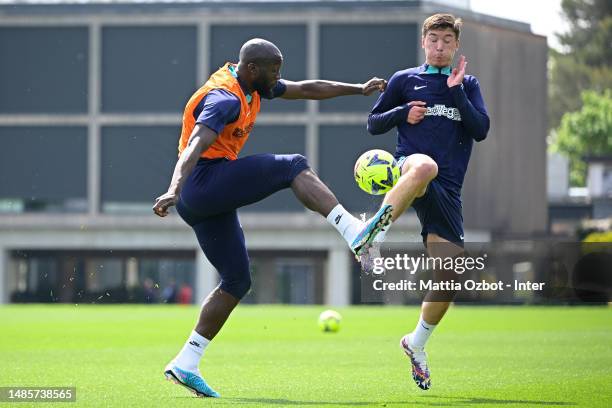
<point>316,196</point>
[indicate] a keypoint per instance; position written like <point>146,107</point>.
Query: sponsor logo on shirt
<point>240,132</point>
<point>443,110</point>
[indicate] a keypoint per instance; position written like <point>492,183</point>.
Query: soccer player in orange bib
<point>210,183</point>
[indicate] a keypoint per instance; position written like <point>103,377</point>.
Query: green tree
<point>587,132</point>
<point>586,57</point>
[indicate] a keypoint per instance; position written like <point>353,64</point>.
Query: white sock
<point>347,225</point>
<point>189,357</point>
<point>421,333</point>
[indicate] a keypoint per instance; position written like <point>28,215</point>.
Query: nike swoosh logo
<point>416,88</point>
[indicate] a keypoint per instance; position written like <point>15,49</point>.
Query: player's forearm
<point>475,122</point>
<point>379,123</point>
<point>182,170</point>
<point>320,89</point>
<point>200,140</point>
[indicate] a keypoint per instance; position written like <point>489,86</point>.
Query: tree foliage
<point>586,58</point>
<point>587,132</point>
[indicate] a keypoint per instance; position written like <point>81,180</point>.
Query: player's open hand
<point>456,76</point>
<point>163,202</point>
<point>417,112</point>
<point>374,84</point>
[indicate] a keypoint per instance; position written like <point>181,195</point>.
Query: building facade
<point>90,107</point>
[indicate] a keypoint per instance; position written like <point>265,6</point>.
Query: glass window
<point>148,69</point>
<point>296,281</point>
<point>372,50</point>
<point>54,176</point>
<point>137,164</point>
<point>336,169</point>
<point>101,276</point>
<point>43,69</point>
<point>226,41</point>
<point>171,278</point>
<point>290,277</point>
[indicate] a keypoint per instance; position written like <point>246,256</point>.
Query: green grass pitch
<point>275,356</point>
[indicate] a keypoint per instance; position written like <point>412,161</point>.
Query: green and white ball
<point>329,321</point>
<point>376,172</point>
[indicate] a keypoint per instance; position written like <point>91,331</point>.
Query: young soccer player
<point>210,182</point>
<point>438,111</point>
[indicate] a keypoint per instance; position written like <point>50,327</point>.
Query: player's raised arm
<point>201,138</point>
<point>469,102</point>
<point>320,89</point>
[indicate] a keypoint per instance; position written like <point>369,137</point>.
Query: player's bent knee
<point>425,170</point>
<point>299,163</point>
<point>238,288</point>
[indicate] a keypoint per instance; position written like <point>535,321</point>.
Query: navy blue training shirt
<point>220,107</point>
<point>455,117</point>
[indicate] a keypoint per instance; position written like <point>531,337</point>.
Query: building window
<point>148,69</point>
<point>226,41</point>
<point>54,176</point>
<point>137,164</point>
<point>390,48</point>
<point>101,277</point>
<point>43,69</point>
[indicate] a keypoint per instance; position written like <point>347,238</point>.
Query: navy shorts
<point>215,189</point>
<point>439,211</point>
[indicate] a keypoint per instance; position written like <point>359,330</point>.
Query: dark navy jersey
<point>220,107</point>
<point>455,117</point>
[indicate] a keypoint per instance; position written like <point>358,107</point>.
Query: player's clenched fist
<point>163,202</point>
<point>374,84</point>
<point>416,113</point>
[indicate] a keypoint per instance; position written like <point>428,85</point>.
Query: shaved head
<point>258,50</point>
<point>259,65</point>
